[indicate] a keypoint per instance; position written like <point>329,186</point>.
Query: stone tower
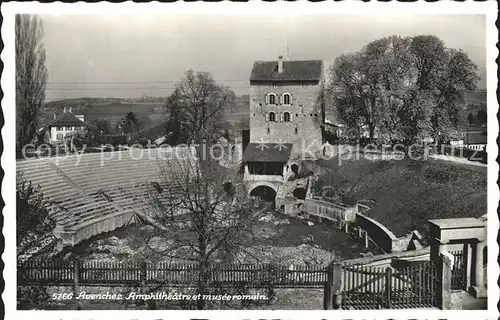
<point>286,104</point>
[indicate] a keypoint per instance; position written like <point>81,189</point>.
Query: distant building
<point>157,135</point>
<point>475,140</point>
<point>65,125</point>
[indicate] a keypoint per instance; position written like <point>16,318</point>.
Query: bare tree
<point>199,104</point>
<point>202,212</point>
<point>31,76</point>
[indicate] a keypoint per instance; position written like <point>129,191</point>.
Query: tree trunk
<point>371,129</point>
<point>204,269</point>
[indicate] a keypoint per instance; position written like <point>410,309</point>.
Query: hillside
<point>475,97</point>
<point>475,101</point>
<point>113,109</point>
<point>403,194</point>
<point>109,109</point>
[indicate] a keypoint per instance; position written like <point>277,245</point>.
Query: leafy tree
<point>31,76</point>
<point>32,221</point>
<point>364,83</point>
<point>176,125</point>
<point>198,103</point>
<point>458,75</point>
<point>130,123</point>
<point>409,88</point>
<point>101,126</point>
<point>428,53</point>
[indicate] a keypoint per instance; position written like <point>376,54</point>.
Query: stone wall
<point>94,227</point>
<point>382,236</point>
<point>305,108</point>
<point>331,211</point>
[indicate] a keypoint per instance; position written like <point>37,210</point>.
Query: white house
<point>65,125</point>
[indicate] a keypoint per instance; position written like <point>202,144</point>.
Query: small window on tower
<point>268,130</point>
<point>296,130</point>
<point>286,98</point>
<point>272,117</point>
<point>272,98</point>
<point>286,117</point>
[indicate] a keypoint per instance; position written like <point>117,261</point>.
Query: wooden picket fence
<point>361,287</point>
<point>133,274</point>
<point>367,287</point>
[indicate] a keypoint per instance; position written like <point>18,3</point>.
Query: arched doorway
<point>229,188</point>
<point>300,193</point>
<point>295,168</point>
<point>265,193</point>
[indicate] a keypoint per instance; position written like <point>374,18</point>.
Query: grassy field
<point>113,111</point>
<point>403,194</point>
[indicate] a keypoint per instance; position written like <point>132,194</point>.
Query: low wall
<point>94,227</point>
<point>382,236</point>
<point>386,258</point>
<point>330,210</point>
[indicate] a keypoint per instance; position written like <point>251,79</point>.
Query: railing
<point>134,273</point>
<point>263,177</point>
<point>330,210</point>
<point>361,287</point>
<point>459,271</point>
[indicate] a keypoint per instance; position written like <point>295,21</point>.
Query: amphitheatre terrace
<point>92,193</point>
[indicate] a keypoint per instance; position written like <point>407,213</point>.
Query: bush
<point>33,219</point>
<point>29,297</point>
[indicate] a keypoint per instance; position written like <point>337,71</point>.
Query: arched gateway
<point>264,192</point>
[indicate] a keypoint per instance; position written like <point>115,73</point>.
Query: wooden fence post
<point>328,294</point>
<point>388,287</point>
<point>144,273</point>
<point>443,287</point>
<point>76,277</point>
<point>333,286</point>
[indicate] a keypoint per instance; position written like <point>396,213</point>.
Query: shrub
<point>31,296</point>
<point>33,220</point>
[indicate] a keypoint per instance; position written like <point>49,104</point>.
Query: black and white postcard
<point>250,160</point>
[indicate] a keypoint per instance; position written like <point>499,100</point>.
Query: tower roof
<point>296,70</point>
<point>267,152</point>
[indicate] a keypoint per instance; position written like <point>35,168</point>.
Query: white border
<point>260,8</point>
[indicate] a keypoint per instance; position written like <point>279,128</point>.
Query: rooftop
<point>66,119</point>
<point>458,223</point>
<point>267,152</point>
<point>297,70</point>
<point>154,132</point>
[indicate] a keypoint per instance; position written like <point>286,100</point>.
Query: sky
<point>131,55</point>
